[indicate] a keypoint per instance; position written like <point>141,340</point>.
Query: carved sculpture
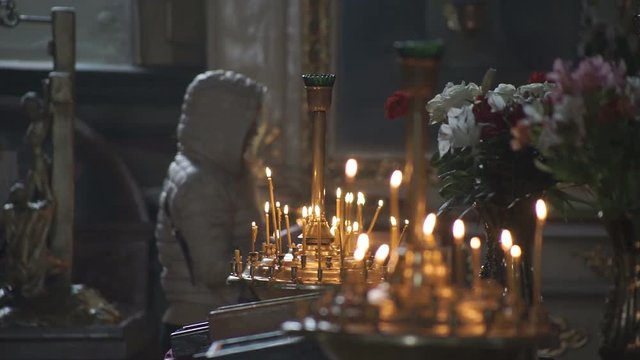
<point>29,212</point>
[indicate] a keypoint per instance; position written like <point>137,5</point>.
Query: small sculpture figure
<point>29,212</point>
<point>207,203</point>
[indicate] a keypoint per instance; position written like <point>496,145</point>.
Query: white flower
<point>500,96</point>
<point>460,130</point>
<point>453,96</point>
<point>535,90</point>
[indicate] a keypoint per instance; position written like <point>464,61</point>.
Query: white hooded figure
<point>207,203</point>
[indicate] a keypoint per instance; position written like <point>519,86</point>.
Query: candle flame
<point>363,241</point>
<point>506,241</point>
<point>393,221</point>
<point>266,207</point>
<point>349,229</point>
<point>338,193</point>
<point>516,251</point>
<point>317,211</point>
<point>286,209</point>
<point>359,254</point>
<point>356,226</point>
<point>305,213</point>
<point>382,253</point>
<point>361,199</point>
<point>334,221</point>
<point>253,224</point>
<point>348,198</point>
<point>277,204</point>
<point>541,210</point>
<point>406,221</point>
<point>267,171</point>
<point>396,179</point>
<point>380,203</point>
<point>351,168</point>
<point>475,242</point>
<point>458,229</point>
<point>429,224</point>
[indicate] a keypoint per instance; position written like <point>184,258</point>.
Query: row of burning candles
<point>343,224</point>
<point>348,227</point>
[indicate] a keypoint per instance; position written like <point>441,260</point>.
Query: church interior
<point>276,179</point>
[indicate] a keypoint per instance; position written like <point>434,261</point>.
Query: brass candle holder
<point>318,260</point>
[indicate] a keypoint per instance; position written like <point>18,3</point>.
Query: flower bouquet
<point>477,167</point>
<point>589,134</point>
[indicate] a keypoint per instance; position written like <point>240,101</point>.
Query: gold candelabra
<point>323,255</point>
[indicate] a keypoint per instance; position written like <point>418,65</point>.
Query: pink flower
<point>594,74</point>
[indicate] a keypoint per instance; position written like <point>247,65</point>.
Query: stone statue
<point>29,212</point>
<point>207,203</point>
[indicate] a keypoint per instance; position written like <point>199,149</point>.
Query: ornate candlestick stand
<point>318,260</point>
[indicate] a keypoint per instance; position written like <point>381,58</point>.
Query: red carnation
<point>397,105</point>
<point>537,77</point>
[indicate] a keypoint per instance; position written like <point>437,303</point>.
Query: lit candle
<point>350,172</point>
<point>266,223</point>
<point>381,258</point>
<point>360,205</point>
<point>394,201</point>
<point>427,229</point>
<point>404,230</point>
<point>360,254</point>
<point>506,242</point>
<point>375,216</point>
<point>305,215</point>
<point>395,237</point>
<point>514,290</point>
<point>381,254</point>
<point>475,261</point>
<point>458,237</point>
<point>254,235</point>
<point>286,223</point>
<point>278,238</point>
<point>541,215</point>
<point>339,203</point>
<point>348,200</point>
<point>272,199</point>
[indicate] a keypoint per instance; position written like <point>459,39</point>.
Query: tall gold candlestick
<point>458,237</point>
<point>475,261</point>
<point>266,224</point>
<point>395,235</point>
<point>254,235</point>
<point>360,205</point>
<point>541,217</point>
<point>375,217</point>
<point>286,222</point>
<point>272,199</point>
